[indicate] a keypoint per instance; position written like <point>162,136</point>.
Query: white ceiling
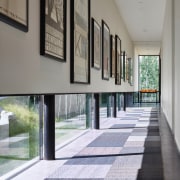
<point>144,19</point>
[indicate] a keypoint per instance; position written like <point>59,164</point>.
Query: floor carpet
<point>130,149</point>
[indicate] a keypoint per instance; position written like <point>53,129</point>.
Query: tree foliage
<point>149,72</point>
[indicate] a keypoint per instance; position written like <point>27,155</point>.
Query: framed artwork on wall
<point>15,13</point>
<point>130,67</point>
<point>123,66</point>
<point>96,44</point>
<point>122,70</point>
<point>112,56</point>
<point>53,29</point>
<point>80,41</point>
<point>127,69</point>
<point>118,60</point>
<point>132,73</point>
<point>105,51</point>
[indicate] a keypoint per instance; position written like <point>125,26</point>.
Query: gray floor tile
<point>152,144</point>
<point>150,174</point>
<point>140,130</point>
<point>131,161</point>
<point>139,134</point>
<point>153,138</point>
<point>91,160</point>
<point>152,150</point>
<point>110,140</point>
<point>121,126</point>
<point>134,114</point>
<point>129,118</point>
<point>132,150</point>
<point>73,179</point>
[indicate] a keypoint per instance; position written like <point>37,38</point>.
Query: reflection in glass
<point>70,116</point>
<point>19,131</point>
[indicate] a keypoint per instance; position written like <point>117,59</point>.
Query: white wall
<point>23,70</point>
<point>171,67</point>
<point>167,61</point>
<point>177,71</point>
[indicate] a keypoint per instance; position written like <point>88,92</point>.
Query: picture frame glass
<point>96,45</point>
<point>80,41</point>
<point>105,51</point>
<point>130,80</point>
<point>53,29</point>
<point>127,69</point>
<point>113,57</point>
<point>132,73</point>
<point>123,65</point>
<point>118,59</point>
<point>15,13</point>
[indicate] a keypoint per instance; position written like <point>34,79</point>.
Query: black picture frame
<point>15,13</point>
<point>127,69</point>
<point>53,29</point>
<point>80,41</point>
<point>112,57</point>
<point>118,60</point>
<point>123,65</point>
<point>95,44</point>
<point>130,69</point>
<point>132,73</point>
<point>105,51</point>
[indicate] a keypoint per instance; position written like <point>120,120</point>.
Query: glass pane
<point>149,72</point>
<point>19,131</point>
<point>103,105</point>
<point>70,116</point>
<point>149,78</point>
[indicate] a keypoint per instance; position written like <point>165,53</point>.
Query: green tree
<point>149,72</point>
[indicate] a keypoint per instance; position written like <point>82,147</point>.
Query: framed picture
<point>130,65</point>
<point>15,13</point>
<point>123,66</point>
<point>96,44</point>
<point>53,29</point>
<point>105,51</point>
<point>118,60</point>
<point>127,69</point>
<point>113,57</point>
<point>132,73</point>
<point>80,41</point>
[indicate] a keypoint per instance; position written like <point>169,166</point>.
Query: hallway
<point>62,62</point>
<point>136,145</point>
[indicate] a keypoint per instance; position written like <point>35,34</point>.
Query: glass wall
<point>21,124</point>
<point>149,72</point>
<point>149,78</point>
<point>70,116</point>
<point>103,105</point>
<point>19,131</point>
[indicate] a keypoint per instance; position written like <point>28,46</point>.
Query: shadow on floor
<point>152,164</point>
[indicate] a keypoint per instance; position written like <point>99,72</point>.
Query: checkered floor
<point>125,148</point>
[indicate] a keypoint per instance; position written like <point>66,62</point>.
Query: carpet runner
<point>130,149</point>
